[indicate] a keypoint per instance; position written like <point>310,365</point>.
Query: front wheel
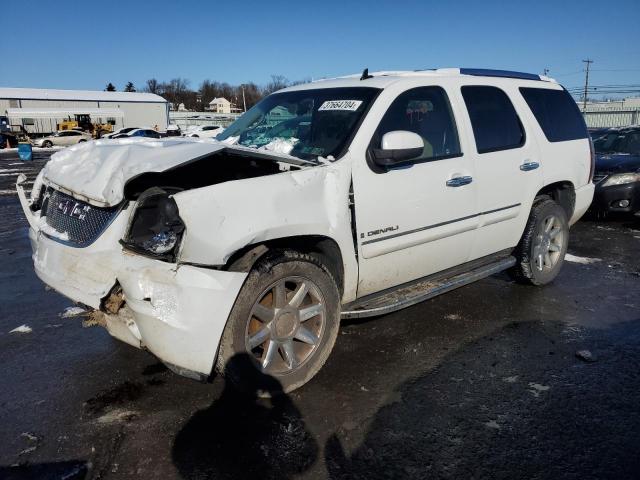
<point>47,144</point>
<point>285,320</point>
<point>540,253</point>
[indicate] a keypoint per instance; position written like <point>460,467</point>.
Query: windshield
<point>619,142</point>
<point>306,124</point>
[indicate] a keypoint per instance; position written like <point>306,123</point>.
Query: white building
<point>39,110</point>
<point>220,105</point>
<point>624,104</point>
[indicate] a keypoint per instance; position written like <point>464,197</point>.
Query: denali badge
<point>379,231</point>
<point>73,209</point>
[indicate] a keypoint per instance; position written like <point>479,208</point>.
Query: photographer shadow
<point>253,430</point>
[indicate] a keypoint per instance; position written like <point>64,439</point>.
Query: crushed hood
<point>98,170</point>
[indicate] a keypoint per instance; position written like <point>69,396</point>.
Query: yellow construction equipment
<point>82,121</point>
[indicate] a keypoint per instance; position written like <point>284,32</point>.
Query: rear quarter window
<point>557,114</point>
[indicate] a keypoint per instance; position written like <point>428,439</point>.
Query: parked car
<point>205,131</point>
<point>173,131</point>
<point>139,132</point>
<point>617,172</point>
<point>387,190</point>
<point>596,133</point>
<point>63,138</point>
<point>119,132</point>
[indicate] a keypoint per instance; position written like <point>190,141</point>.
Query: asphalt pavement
<point>493,380</point>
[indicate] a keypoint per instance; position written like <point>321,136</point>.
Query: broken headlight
<point>156,227</point>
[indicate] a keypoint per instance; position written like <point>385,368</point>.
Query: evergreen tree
<point>129,87</point>
<point>110,88</point>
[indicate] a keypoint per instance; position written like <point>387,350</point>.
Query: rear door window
<point>496,125</point>
<point>557,114</point>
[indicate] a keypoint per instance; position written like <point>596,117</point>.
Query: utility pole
<point>244,102</point>
<point>586,83</point>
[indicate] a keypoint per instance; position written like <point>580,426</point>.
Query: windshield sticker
<point>348,105</point>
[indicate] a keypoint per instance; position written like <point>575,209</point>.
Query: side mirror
<point>398,146</point>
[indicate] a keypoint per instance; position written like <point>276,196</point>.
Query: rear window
<point>495,123</point>
<point>557,113</point>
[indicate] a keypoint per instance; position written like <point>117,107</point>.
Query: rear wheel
<point>285,320</point>
<point>540,253</point>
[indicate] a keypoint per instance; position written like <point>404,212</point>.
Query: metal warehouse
<point>40,110</point>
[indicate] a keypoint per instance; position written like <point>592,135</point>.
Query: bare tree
<point>277,82</point>
<point>152,86</point>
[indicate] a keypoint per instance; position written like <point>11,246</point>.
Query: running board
<point>418,291</point>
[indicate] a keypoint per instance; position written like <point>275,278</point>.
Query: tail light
<point>592,152</point>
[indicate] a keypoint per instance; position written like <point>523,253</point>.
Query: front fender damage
<point>224,218</point>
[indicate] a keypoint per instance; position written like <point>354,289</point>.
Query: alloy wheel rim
<point>547,249</point>
<point>286,325</point>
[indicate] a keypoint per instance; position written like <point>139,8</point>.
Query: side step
<point>409,294</point>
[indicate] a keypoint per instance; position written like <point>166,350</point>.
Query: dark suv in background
<point>617,171</point>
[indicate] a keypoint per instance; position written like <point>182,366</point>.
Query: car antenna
<point>365,74</point>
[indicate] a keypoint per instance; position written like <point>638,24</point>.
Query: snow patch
<point>582,260</point>
<point>492,424</point>
<point>22,329</point>
<point>116,416</point>
<point>72,312</point>
<point>536,389</point>
<point>280,145</point>
<point>230,140</point>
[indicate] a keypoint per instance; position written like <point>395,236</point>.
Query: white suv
<point>348,197</point>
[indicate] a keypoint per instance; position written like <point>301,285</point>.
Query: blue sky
<point>84,45</point>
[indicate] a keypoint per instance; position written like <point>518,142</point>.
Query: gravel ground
<point>493,380</point>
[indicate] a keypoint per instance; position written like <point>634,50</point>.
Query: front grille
<point>78,223</point>
<point>598,177</point>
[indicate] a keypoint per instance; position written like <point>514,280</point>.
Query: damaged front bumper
<point>177,312</point>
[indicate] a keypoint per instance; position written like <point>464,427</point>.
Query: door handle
<point>459,181</point>
<point>527,166</point>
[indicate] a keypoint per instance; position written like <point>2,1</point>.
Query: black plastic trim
<point>487,72</point>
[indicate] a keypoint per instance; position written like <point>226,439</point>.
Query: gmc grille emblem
<point>73,209</point>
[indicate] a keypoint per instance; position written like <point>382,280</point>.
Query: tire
<point>80,141</point>
<point>195,136</point>
<point>291,269</point>
<point>537,242</point>
<point>47,144</point>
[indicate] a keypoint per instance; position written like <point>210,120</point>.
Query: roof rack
<point>486,72</point>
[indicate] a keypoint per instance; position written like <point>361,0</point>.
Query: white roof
<point>63,112</point>
<point>219,100</point>
<point>78,95</point>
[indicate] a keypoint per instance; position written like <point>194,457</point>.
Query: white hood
<point>98,170</point>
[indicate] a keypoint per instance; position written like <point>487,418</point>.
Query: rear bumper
<point>607,199</point>
<point>177,312</point>
<point>584,197</point>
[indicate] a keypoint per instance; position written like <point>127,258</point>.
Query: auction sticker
<point>348,105</point>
